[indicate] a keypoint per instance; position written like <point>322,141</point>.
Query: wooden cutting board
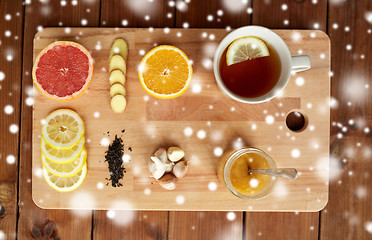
<point>215,122</point>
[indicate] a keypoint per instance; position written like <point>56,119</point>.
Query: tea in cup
<point>257,79</point>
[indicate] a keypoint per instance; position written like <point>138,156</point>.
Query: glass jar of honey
<point>233,171</point>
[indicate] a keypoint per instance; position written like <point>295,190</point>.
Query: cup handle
<point>300,63</point>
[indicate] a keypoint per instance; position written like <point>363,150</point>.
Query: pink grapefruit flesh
<point>63,70</point>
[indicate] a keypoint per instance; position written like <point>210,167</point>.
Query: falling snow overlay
<point>347,170</point>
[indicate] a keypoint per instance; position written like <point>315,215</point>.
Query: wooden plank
<point>48,13</point>
<point>130,225</point>
<point>127,13</point>
<point>290,14</point>
<point>11,13</point>
<point>350,189</point>
<point>205,225</point>
<point>137,180</point>
<point>138,13</point>
<point>213,14</point>
<point>195,16</point>
<point>293,15</point>
<point>281,225</point>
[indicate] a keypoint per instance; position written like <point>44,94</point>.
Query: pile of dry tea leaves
<point>114,157</point>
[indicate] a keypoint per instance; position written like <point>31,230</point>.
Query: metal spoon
<point>290,173</point>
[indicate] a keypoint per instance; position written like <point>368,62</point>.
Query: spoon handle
<point>290,173</point>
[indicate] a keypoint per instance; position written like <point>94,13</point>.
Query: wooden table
<point>347,215</point>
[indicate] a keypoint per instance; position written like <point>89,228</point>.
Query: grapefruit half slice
<point>63,70</point>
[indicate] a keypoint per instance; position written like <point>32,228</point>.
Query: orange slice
<point>165,72</point>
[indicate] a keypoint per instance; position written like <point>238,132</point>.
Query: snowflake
<point>269,119</point>
<point>368,226</point>
<point>300,81</point>
<point>100,185</point>
<point>105,142</point>
<point>201,134</point>
<point>147,191</point>
<point>295,153</point>
<point>10,159</point>
<point>181,6</point>
<point>218,151</point>
<point>188,131</point>
<point>368,16</point>
<point>9,57</point>
<point>111,214</point>
<point>124,22</point>
<point>231,216</point>
<point>180,199</point>
<point>8,109</point>
<point>212,186</point>
<point>29,101</point>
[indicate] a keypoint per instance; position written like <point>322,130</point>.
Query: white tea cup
<point>289,64</point>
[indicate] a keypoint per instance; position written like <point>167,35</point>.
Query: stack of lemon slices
<point>63,154</point>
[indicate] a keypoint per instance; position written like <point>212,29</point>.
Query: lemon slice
<point>65,169</point>
<point>61,155</point>
<point>65,184</point>
<point>246,48</point>
<point>63,129</point>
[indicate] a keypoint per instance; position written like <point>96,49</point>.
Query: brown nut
<point>180,169</point>
<point>168,181</point>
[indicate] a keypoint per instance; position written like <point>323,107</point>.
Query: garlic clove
<point>169,167</point>
<point>180,169</point>
<point>168,181</point>
<point>175,154</point>
<point>161,153</point>
<point>157,168</point>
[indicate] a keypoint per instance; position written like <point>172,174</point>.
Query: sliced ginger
<point>118,103</point>
<point>117,62</point>
<point>118,69</point>
<point>117,89</point>
<point>119,47</point>
<point>117,76</point>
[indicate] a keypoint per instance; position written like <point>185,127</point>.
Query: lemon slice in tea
<point>246,48</point>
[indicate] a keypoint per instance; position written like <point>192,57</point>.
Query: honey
<point>242,180</point>
<point>233,171</point>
